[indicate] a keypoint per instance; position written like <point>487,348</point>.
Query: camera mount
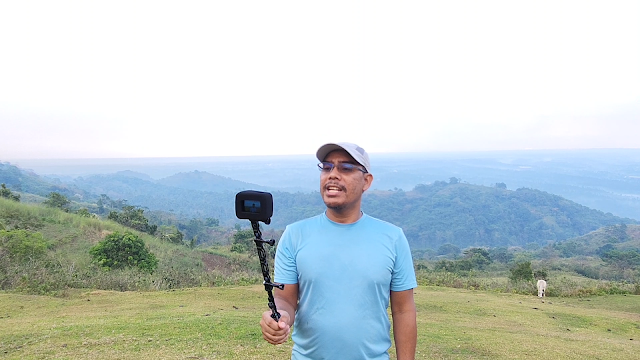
<point>262,254</point>
<point>257,206</point>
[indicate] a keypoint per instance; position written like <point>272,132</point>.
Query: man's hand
<point>275,332</point>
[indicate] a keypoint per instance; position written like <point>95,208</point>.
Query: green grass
<point>222,323</point>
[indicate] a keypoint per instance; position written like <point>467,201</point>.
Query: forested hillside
<point>31,183</point>
<point>470,215</point>
<point>431,215</point>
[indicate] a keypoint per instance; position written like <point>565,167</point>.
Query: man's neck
<point>344,217</point>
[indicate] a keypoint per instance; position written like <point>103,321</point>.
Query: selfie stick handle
<point>268,284</point>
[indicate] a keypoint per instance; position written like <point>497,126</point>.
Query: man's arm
<point>405,330</point>
<point>287,303</point>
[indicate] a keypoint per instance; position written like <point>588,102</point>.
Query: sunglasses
<point>344,168</point>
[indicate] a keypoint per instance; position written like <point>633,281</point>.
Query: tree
<point>212,222</point>
<point>118,251</point>
<point>541,274</point>
<point>623,260</point>
<point>242,241</point>
<point>448,249</point>
<point>501,254</point>
<point>478,257</point>
<point>171,234</point>
<point>8,194</point>
<point>84,212</point>
<point>521,272</point>
<point>57,200</point>
<point>133,218</point>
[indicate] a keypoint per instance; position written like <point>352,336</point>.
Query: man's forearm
<point>405,333</point>
<point>284,305</point>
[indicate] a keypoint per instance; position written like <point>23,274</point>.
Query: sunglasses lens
<point>325,166</point>
<point>346,168</point>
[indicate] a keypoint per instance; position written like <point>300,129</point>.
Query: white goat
<point>542,287</point>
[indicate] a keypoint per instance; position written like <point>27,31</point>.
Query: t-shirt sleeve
<point>286,271</point>
<point>404,276</point>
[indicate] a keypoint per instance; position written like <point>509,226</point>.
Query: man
<point>341,269</point>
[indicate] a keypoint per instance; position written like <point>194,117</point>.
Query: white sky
<point>86,79</point>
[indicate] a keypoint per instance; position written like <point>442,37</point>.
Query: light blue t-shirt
<point>344,273</point>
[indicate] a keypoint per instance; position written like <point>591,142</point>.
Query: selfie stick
<point>268,285</point>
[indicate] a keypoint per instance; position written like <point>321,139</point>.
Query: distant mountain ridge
<point>431,214</point>
<point>204,181</point>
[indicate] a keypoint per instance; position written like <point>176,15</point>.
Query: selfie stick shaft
<point>268,285</point>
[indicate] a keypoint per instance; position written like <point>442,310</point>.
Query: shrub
<point>22,245</point>
<point>521,272</point>
<point>123,250</point>
<point>243,241</point>
<point>8,194</point>
<point>57,200</point>
<point>133,218</point>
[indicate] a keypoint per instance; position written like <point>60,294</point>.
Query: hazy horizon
<point>255,78</point>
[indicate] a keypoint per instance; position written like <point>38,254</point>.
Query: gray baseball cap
<point>356,152</point>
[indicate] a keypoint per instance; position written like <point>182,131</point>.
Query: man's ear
<point>368,179</point>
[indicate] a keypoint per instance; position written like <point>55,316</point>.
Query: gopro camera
<point>254,205</point>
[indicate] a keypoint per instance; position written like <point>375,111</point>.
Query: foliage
<point>84,212</point>
<point>448,250</point>
<point>501,254</point>
<point>469,215</point>
<point>541,274</point>
<point>22,245</point>
<point>134,218</point>
<point>67,263</point>
<point>171,234</point>
<point>57,200</point>
<point>474,259</point>
<point>521,272</point>
<point>243,241</point>
<point>198,228</point>
<point>622,259</point>
<point>124,250</point>
<point>7,193</point>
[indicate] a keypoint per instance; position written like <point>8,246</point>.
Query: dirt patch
<point>216,262</point>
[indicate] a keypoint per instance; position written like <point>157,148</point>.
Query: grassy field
<point>221,323</point>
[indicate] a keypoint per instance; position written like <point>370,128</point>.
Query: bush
<point>133,218</point>
<point>22,245</point>
<point>521,272</point>
<point>8,194</point>
<point>123,250</point>
<point>243,241</point>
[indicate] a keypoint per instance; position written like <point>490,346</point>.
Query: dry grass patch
<point>222,323</point>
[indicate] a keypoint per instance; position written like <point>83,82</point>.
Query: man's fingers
<point>274,332</point>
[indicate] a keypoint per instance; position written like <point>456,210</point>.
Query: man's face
<point>342,191</point>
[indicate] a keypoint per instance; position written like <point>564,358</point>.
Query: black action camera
<point>254,205</point>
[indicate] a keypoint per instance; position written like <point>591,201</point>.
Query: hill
<point>471,215</point>
<point>204,181</point>
<point>47,251</point>
<point>431,215</point>
<point>26,181</point>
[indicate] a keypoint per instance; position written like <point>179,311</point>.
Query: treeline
<point>431,215</point>
<point>470,215</point>
<point>445,212</point>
